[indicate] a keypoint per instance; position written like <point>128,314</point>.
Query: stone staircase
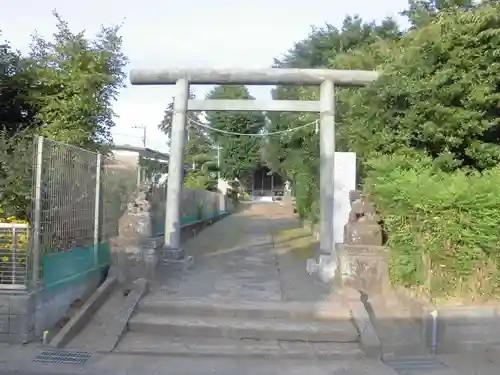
<point>262,329</point>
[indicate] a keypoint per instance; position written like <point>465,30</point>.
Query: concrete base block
<point>179,264</point>
<point>312,266</point>
<point>325,267</point>
<point>173,254</point>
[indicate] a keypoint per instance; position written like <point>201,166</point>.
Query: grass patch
<point>299,242</point>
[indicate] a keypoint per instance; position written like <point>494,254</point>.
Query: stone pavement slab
<point>246,257</point>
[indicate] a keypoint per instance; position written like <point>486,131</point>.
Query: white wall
<point>345,181</point>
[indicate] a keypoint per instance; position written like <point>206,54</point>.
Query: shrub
<point>307,195</point>
<point>442,227</point>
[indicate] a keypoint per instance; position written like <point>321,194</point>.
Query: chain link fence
<point>67,197</point>
<point>63,206</point>
<point>59,205</point>
<point>65,214</point>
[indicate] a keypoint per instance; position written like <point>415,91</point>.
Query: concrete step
<point>234,328</point>
<point>403,349</point>
<point>150,344</point>
<point>334,310</point>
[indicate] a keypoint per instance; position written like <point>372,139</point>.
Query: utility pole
<point>222,192</point>
<point>144,139</point>
<point>218,163</point>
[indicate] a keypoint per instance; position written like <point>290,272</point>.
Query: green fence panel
<point>67,267</point>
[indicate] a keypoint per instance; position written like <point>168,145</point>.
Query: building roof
<point>142,151</point>
<point>146,153</point>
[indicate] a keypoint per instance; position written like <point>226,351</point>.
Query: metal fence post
<point>14,253</point>
<point>37,212</point>
<point>97,210</point>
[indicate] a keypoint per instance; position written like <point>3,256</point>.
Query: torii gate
<point>327,79</point>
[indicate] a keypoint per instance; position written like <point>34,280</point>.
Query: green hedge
<point>443,228</point>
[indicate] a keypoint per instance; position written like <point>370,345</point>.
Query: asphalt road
<point>158,365</point>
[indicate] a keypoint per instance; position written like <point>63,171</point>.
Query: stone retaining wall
<point>24,316</point>
<point>460,328</point>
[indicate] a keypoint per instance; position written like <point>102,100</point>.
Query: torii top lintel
<point>271,76</point>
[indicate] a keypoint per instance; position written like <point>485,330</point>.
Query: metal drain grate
<point>60,356</point>
<point>412,365</point>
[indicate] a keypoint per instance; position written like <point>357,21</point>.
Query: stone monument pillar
<point>133,252</point>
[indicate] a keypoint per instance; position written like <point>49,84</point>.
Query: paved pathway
<point>256,254</point>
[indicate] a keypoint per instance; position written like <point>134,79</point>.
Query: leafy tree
<point>63,89</point>
<point>78,81</point>
<point>443,101</point>
<point>356,45</point>
<point>166,123</point>
<point>200,150</point>
<point>240,155</point>
<point>422,12</point>
<point>427,136</point>
<point>200,179</point>
<point>16,111</point>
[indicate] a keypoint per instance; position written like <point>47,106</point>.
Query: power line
<point>253,135</point>
<point>127,135</point>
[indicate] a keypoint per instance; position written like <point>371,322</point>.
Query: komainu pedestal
<point>363,261</point>
<point>363,226</point>
<point>134,254</point>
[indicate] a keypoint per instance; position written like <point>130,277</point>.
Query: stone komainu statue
<point>363,226</point>
<point>363,259</point>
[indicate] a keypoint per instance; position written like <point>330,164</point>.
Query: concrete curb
<point>78,321</point>
<point>461,329</point>
<point>368,337</point>
<point>119,326</point>
<point>323,311</point>
<point>255,351</point>
<point>271,330</point>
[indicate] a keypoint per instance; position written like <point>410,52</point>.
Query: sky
<point>185,34</point>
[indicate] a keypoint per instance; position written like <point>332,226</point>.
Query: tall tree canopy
<point>426,133</point>
<point>240,155</point>
<point>356,45</point>
<point>78,81</point>
<point>65,86</point>
<point>200,151</point>
<point>64,89</point>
